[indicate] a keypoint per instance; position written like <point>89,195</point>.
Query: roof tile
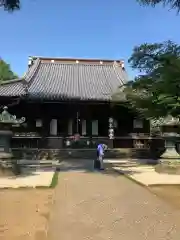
<point>70,80</point>
<point>12,88</point>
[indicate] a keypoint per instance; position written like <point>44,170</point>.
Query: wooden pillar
<point>83,126</point>
<point>70,127</point>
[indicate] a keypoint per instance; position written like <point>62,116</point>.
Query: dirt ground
<point>169,193</point>
<point>24,213</point>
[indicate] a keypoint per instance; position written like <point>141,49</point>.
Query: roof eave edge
<point>11,81</point>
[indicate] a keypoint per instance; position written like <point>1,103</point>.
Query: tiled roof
<point>12,88</point>
<point>71,79</point>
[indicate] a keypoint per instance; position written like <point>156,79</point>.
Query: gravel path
<point>102,206</point>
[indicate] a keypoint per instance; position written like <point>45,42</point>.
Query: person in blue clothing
<point>100,155</point>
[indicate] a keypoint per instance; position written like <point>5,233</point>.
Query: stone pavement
<point>31,179</point>
<point>106,205</point>
<point>146,175</point>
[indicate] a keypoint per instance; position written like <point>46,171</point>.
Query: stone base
<point>9,167</point>
<point>166,168</point>
<point>152,161</point>
<point>5,156</point>
<point>170,154</point>
<point>6,172</point>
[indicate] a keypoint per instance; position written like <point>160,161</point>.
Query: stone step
<point>36,162</point>
<point>120,153</point>
<point>111,153</point>
<point>35,166</point>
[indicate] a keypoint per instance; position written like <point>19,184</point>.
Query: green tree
<point>155,92</point>
<point>6,72</point>
<point>174,4</point>
<point>10,5</point>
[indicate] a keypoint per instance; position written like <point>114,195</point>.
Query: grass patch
<point>54,180</point>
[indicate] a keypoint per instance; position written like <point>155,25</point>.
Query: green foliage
<point>10,5</point>
<point>156,91</point>
<point>6,72</point>
<point>174,4</point>
<point>54,180</point>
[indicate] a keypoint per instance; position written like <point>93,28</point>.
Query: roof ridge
<point>80,63</point>
<point>115,66</point>
<point>11,81</point>
<point>32,70</point>
<point>76,58</point>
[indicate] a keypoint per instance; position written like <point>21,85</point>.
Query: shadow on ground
<point>88,167</point>
<point>85,165</point>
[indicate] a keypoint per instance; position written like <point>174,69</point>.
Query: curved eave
<point>62,81</point>
<point>13,88</point>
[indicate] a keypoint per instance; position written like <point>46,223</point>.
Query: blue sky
<point>86,29</point>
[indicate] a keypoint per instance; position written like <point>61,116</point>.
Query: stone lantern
<point>6,122</point>
<point>169,127</point>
